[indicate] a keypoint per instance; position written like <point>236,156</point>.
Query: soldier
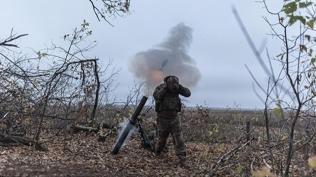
<point>168,104</point>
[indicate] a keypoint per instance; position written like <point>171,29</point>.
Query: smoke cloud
<point>167,58</point>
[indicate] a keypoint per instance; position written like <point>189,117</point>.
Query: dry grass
<point>209,134</point>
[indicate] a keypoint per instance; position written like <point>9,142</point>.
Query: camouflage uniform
<point>168,104</point>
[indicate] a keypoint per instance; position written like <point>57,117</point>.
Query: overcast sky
<point>219,48</point>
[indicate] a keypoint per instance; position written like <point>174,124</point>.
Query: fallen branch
<point>227,156</point>
<point>78,128</point>
<point>10,139</point>
<point>99,130</point>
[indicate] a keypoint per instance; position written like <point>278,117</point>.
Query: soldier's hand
<point>184,91</point>
<point>180,88</point>
<point>172,85</point>
<point>164,87</point>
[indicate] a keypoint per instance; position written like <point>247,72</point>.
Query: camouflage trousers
<point>170,125</point>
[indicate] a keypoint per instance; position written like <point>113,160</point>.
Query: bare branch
<point>8,41</point>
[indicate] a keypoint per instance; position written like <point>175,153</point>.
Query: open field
<point>218,144</point>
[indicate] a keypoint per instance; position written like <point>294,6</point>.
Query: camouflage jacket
<point>167,100</point>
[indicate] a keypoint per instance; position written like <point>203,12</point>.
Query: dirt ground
<point>209,137</point>
<point>83,155</point>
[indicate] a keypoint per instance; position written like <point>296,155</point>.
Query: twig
<point>6,42</point>
<point>227,156</point>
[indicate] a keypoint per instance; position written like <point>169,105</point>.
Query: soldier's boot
<point>157,150</point>
<point>182,163</point>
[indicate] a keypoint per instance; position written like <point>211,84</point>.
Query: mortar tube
<point>129,126</point>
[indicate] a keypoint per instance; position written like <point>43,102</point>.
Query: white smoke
<point>123,125</point>
<point>168,58</point>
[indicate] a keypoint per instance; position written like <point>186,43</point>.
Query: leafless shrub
<point>59,85</point>
<point>290,90</point>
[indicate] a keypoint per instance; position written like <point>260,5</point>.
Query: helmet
<point>171,79</point>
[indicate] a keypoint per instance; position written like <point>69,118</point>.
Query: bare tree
<point>294,81</point>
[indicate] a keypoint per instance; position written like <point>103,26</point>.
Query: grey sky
<point>218,46</point>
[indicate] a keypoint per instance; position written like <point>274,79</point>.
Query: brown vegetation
<point>216,141</point>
